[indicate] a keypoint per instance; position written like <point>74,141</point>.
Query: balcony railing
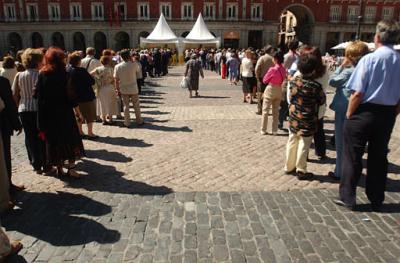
<point>133,19</point>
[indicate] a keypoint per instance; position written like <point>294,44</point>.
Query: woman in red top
<point>273,92</point>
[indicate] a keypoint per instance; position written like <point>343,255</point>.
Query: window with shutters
<point>120,10</point>
<point>256,12</point>
<point>54,12</point>
<point>10,13</point>
<point>387,13</point>
<point>232,11</point>
<point>335,14</point>
<point>165,8</point>
<point>353,13</point>
<point>98,11</point>
<point>187,11</point>
<point>209,11</point>
<point>370,14</point>
<point>75,11</point>
<point>143,10</point>
<point>32,12</point>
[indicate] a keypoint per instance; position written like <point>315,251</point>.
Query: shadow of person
<point>211,97</point>
<point>122,141</point>
<point>393,168</point>
<point>148,101</point>
<point>150,92</point>
<point>152,126</point>
<point>155,112</point>
<point>108,156</point>
<point>105,178</point>
<point>386,208</point>
<point>59,219</point>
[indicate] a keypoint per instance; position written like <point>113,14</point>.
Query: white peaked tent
<point>201,35</point>
<point>161,35</point>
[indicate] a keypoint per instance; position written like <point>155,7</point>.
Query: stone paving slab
<point>296,226</point>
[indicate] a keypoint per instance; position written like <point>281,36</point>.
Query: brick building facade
<point>74,24</point>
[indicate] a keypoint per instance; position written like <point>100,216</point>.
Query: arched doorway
<point>14,41</point>
<point>122,40</point>
<point>296,22</point>
<point>36,40</point>
<point>57,40</point>
<point>184,34</point>
<point>231,39</point>
<point>100,42</point>
<point>79,42</point>
<point>143,34</point>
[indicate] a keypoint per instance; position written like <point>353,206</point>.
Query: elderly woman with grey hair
<point>192,73</point>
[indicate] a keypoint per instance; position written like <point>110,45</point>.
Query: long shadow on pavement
<point>391,186</point>
<point>55,218</point>
<point>151,126</point>
<point>108,156</point>
<point>121,141</point>
<point>106,178</point>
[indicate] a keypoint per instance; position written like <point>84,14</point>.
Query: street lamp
<point>359,18</point>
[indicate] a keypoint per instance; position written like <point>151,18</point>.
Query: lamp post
<point>359,18</point>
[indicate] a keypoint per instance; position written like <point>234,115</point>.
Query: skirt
<point>88,110</point>
<point>107,101</point>
<point>248,84</point>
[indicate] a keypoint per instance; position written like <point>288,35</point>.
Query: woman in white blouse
<point>106,94</point>
<point>23,91</point>
<point>248,77</point>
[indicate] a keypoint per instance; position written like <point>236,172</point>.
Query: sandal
<point>16,247</point>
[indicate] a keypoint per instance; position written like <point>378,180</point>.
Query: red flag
<point>118,16</point>
<point>110,15</point>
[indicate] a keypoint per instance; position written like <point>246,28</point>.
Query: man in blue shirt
<point>371,115</point>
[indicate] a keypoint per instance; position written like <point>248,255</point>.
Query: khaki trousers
<point>272,98</point>
<point>4,181</point>
<point>297,152</point>
<point>126,98</point>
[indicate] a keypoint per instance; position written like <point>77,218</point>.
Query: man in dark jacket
<point>9,122</point>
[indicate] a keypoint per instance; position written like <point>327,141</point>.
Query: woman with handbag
<point>274,78</point>
<point>57,108</point>
<point>82,83</point>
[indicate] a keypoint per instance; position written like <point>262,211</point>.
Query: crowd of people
<point>293,86</point>
<point>50,95</point>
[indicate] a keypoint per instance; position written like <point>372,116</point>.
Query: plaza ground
<point>197,183</point>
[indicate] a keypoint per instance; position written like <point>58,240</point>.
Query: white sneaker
<point>263,133</point>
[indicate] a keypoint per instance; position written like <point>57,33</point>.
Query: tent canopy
<point>200,34</point>
<point>371,45</point>
<point>161,34</point>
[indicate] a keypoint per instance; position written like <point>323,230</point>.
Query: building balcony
<point>335,19</point>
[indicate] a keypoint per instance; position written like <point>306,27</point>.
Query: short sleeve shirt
<point>127,73</point>
<point>377,76</point>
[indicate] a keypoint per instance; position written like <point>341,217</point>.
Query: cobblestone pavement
<point>197,183</point>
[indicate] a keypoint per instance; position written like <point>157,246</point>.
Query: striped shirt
<point>24,87</point>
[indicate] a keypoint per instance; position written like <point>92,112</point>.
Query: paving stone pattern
<point>198,183</point>
<point>296,226</point>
